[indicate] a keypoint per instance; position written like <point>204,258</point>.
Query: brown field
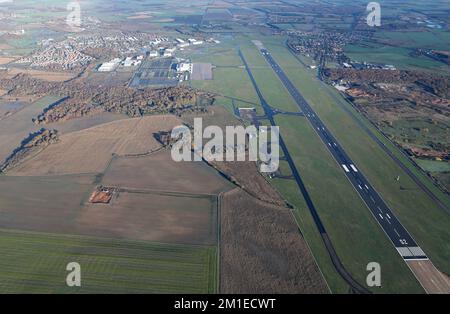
<point>6,60</point>
<point>159,172</point>
<point>3,92</point>
<point>262,250</point>
<point>60,204</point>
<point>153,217</point>
<point>90,150</point>
<point>85,122</point>
<point>49,204</point>
<point>247,177</point>
<point>44,75</point>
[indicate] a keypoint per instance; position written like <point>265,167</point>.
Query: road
<point>397,233</point>
<point>269,112</point>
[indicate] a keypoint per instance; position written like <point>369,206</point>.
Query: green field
<point>432,39</point>
<point>36,263</point>
<point>229,82</point>
<point>433,165</point>
<point>397,56</point>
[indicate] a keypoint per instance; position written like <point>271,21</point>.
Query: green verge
<point>427,222</point>
<point>36,263</point>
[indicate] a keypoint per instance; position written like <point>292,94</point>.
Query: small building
<point>128,62</point>
<point>184,67</point>
<point>110,66</point>
<point>153,54</point>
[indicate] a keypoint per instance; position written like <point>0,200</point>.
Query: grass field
<point>230,82</point>
<point>432,39</point>
<point>433,165</point>
<point>36,263</point>
<point>398,56</point>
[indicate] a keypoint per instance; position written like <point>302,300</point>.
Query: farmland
<point>36,263</point>
<point>159,172</point>
<point>152,216</point>
<point>130,136</point>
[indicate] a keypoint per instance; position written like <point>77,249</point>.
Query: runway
<point>269,113</point>
<point>397,233</point>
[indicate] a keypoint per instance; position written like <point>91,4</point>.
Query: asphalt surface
<point>401,239</point>
<point>269,114</point>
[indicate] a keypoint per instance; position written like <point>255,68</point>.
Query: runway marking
<point>329,144</point>
<point>372,199</point>
<point>345,168</point>
<point>380,216</point>
<point>359,187</point>
<point>354,168</point>
<point>379,209</point>
<point>366,186</point>
<point>396,232</point>
<point>388,216</point>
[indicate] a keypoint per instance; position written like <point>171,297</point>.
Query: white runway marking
<point>354,168</point>
<point>345,168</point>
